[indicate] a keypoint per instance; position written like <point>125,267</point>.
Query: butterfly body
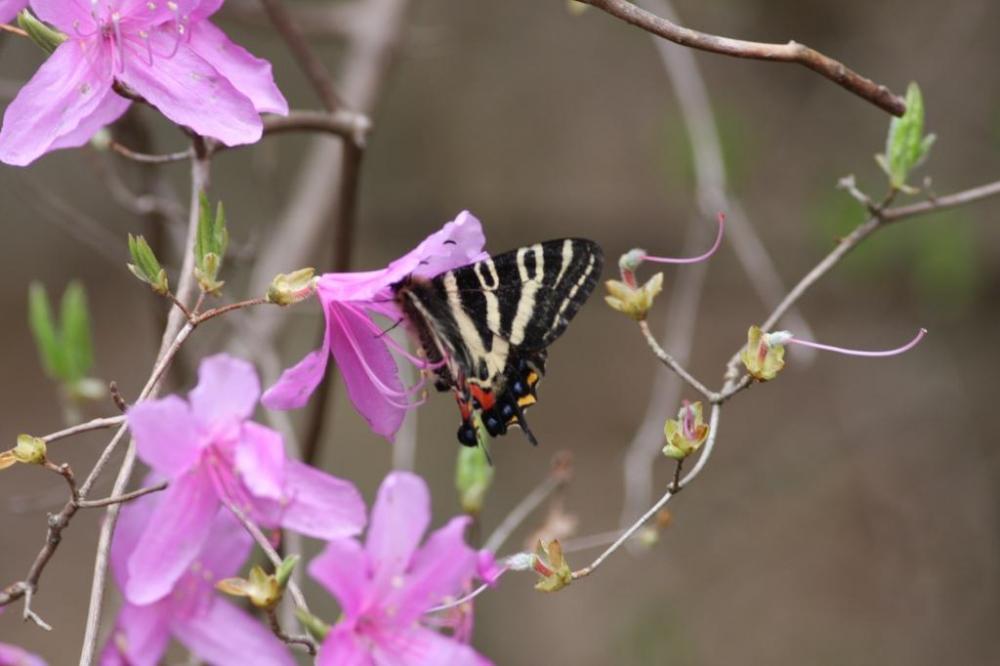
<point>485,327</point>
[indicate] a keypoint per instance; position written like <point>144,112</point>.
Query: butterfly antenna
<point>390,329</point>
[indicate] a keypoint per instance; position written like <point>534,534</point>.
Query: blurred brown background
<point>850,514</point>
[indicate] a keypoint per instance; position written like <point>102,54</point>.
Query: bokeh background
<point>850,514</point>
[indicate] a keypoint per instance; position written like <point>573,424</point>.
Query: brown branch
<point>671,363</point>
<point>791,52</point>
<point>941,203</point>
<point>146,158</point>
<point>119,499</point>
<point>308,61</point>
<point>343,123</point>
<point>6,27</point>
<point>303,641</point>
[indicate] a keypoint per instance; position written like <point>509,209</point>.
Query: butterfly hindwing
<point>489,323</point>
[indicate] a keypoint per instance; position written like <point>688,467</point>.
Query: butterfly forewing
<point>526,296</point>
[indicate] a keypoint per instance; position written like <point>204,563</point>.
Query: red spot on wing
<point>484,397</point>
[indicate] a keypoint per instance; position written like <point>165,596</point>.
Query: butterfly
<point>486,327</point>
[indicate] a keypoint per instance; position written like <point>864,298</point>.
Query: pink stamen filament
<point>386,391</point>
<point>420,363</point>
<point>860,352</point>
<point>693,260</point>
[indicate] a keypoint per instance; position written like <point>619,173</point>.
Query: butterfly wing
<point>490,323</point>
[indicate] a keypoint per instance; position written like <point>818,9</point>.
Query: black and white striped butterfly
<point>485,327</point>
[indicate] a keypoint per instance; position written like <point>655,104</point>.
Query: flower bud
<point>550,564</point>
<point>291,288</point>
<point>764,355</point>
<point>41,34</point>
<point>262,589</point>
<point>633,301</point>
<point>29,450</point>
<point>686,433</point>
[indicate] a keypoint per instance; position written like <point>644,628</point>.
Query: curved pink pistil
<point>693,260</point>
<point>861,352</point>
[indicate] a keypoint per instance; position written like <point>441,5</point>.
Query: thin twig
<point>6,27</point>
<point>941,203</point>
<point>268,549</point>
<point>669,361</point>
<point>223,309</point>
<point>119,499</point>
<point>308,61</point>
<point>94,424</point>
<point>173,335</point>
<point>146,158</point>
<point>521,511</point>
<point>304,641</point>
<point>792,52</point>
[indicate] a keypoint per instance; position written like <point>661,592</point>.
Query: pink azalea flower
<point>12,655</point>
<point>164,50</point>
<point>8,10</point>
<point>385,587</point>
<point>357,343</point>
<point>211,627</point>
<point>212,454</point>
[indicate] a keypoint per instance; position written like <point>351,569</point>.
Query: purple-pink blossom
<point>212,455</point>
<point>12,655</point>
<point>210,627</point>
<point>166,51</point>
<point>362,352</point>
<point>387,585</point>
<point>8,10</point>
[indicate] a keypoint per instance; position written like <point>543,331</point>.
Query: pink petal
<point>250,75</point>
<point>223,555</point>
<point>108,111</point>
<point>342,568</point>
<point>399,518</point>
<point>457,243</point>
<point>343,647</point>
<point>205,9</point>
<point>132,522</point>
<point>67,15</point>
<point>174,537</point>
<point>166,435</point>
<point>297,383</point>
<point>321,505</point>
<point>437,571</point>
<point>189,91</point>
<point>65,91</point>
<point>369,370</point>
<point>260,460</point>
<point>16,656</point>
<point>140,636</point>
<point>422,647</point>
<point>10,8</point>
<point>226,393</point>
<point>229,636</point>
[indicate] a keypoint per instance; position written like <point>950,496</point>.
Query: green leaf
<point>210,244</point>
<point>906,147</point>
<point>75,338</point>
<point>43,328</point>
<point>146,266</point>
